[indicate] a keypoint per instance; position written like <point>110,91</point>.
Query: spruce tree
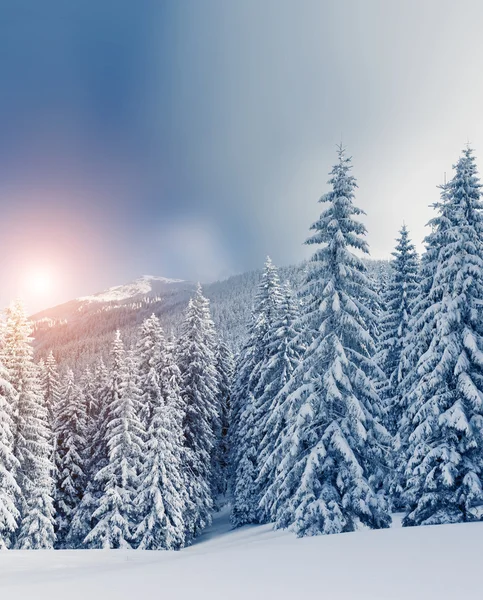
<point>161,499</point>
<point>445,414</point>
<point>149,354</point>
<point>9,490</point>
<point>286,349</point>
<point>225,367</point>
<point>420,332</point>
<point>202,424</point>
<point>51,385</point>
<point>32,438</point>
<point>118,480</point>
<point>250,403</point>
<point>336,443</point>
<point>71,457</point>
<point>398,300</point>
<point>97,395</point>
<point>87,384</point>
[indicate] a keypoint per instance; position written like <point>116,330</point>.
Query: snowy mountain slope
<point>82,329</point>
<point>144,286</point>
<point>257,563</point>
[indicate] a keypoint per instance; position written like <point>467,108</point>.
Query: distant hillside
<point>82,329</point>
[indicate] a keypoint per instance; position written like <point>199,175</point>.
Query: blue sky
<point>190,138</point>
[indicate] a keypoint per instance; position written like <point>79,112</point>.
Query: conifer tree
<point>31,445</point>
<point>9,490</point>
<point>118,480</point>
<point>202,424</point>
<point>149,353</point>
<point>336,443</point>
<point>251,406</point>
<point>97,395</point>
<point>71,456</point>
<point>445,415</point>
<point>286,350</point>
<point>398,300</point>
<point>418,339</point>
<point>50,385</point>
<point>226,368</point>
<point>161,500</point>
<point>87,384</point>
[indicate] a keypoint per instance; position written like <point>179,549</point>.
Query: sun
<point>39,281</point>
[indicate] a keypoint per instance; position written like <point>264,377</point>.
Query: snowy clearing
<point>256,562</point>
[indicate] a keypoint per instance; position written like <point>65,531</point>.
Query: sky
<point>191,138</point>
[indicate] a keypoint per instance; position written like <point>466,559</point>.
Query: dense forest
<point>352,392</point>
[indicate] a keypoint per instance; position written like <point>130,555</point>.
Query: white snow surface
<point>140,286</point>
<point>256,563</point>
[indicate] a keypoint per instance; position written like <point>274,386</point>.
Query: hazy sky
<point>191,138</point>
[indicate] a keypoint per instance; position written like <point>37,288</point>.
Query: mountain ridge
<point>80,330</point>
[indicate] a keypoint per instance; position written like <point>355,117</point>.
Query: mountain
<point>82,329</point>
<point>146,286</point>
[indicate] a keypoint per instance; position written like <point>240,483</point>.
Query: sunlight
<point>40,281</point>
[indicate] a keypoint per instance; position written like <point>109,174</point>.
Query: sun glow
<point>40,281</point>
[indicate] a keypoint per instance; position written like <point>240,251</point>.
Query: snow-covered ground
<point>442,562</point>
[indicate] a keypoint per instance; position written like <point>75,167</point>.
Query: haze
<point>189,139</point>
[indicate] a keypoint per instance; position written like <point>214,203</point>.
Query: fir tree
<point>97,395</point>
<point>226,368</point>
<point>286,350</point>
<point>336,443</point>
<point>70,428</point>
<point>251,405</point>
<point>398,300</point>
<point>148,351</point>
<point>31,446</point>
<point>161,499</point>
<point>118,479</point>
<point>9,490</point>
<point>202,425</point>
<point>417,341</point>
<point>88,386</point>
<point>51,385</point>
<point>445,415</point>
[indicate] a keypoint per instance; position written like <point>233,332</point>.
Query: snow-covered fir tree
<point>251,405</point>
<point>32,438</point>
<point>445,413</point>
<point>118,480</point>
<point>71,458</point>
<point>97,394</point>
<point>9,490</point>
<point>162,498</point>
<point>225,366</point>
<point>149,355</point>
<point>286,349</point>
<point>418,339</point>
<point>50,385</point>
<point>87,383</point>
<point>202,421</point>
<point>336,442</point>
<point>398,300</point>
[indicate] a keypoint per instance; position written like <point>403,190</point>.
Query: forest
<point>351,395</point>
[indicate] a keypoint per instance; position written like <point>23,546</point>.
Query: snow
<point>254,562</point>
<point>140,286</point>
